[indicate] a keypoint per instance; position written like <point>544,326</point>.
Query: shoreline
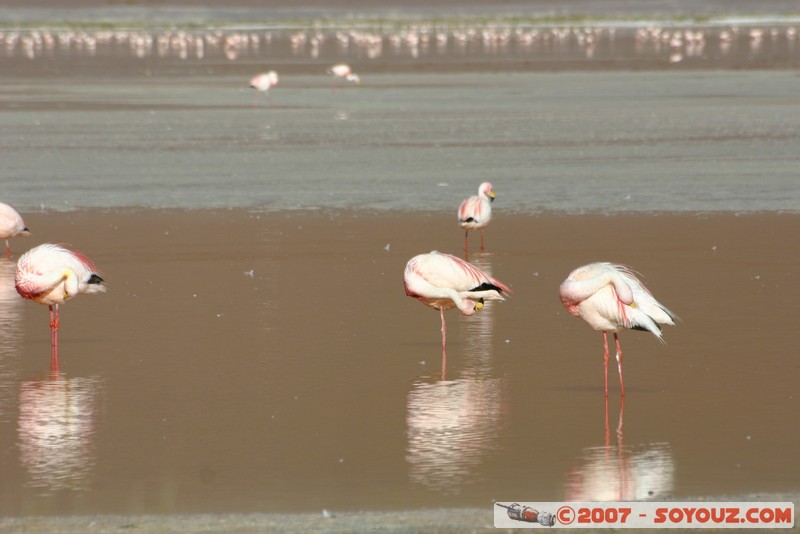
<point>432,520</point>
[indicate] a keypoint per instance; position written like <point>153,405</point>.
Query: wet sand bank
<point>246,362</point>
<point>573,142</point>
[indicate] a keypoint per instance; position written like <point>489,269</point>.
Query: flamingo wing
<point>51,273</point>
<point>610,297</point>
<point>460,275</point>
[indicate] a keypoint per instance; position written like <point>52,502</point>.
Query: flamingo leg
<point>466,241</point>
<point>608,431</point>
<point>619,365</point>
<point>621,418</point>
<point>8,249</point>
<point>444,345</point>
<point>605,360</point>
<point>54,324</point>
<point>481,239</point>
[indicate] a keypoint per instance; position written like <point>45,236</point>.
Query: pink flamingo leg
<point>466,241</point>
<point>8,249</point>
<point>605,360</point>
<point>608,431</point>
<point>54,324</point>
<point>619,365</point>
<point>481,239</point>
<point>444,345</point>
<point>621,418</point>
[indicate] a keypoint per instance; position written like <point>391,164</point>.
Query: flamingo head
<point>353,78</point>
<point>486,190</point>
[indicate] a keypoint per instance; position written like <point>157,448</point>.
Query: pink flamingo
<point>344,72</point>
<point>443,281</point>
<point>609,297</point>
<point>50,274</point>
<point>475,212</point>
<point>264,82</point>
<point>11,225</point>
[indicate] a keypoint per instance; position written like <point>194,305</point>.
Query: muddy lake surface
<point>255,351</point>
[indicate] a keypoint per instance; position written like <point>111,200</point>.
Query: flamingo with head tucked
<point>51,274</point>
<point>264,82</point>
<point>443,282</point>
<point>11,225</point>
<point>343,71</point>
<point>475,212</point>
<point>610,297</point>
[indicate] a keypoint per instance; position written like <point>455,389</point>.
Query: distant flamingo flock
<point>670,43</point>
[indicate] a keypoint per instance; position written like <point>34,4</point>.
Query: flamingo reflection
<point>620,473</point>
<point>10,307</point>
<point>10,334</point>
<point>56,427</point>
<point>452,427</point>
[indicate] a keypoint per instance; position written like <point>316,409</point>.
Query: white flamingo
<point>610,297</point>
<point>475,212</point>
<point>264,82</point>
<point>51,274</point>
<point>11,225</point>
<point>343,71</point>
<point>443,282</point>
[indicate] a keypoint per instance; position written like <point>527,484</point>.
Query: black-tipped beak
<point>95,279</point>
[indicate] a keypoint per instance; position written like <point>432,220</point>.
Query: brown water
<point>246,361</point>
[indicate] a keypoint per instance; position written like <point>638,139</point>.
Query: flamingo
<point>264,82</point>
<point>50,274</point>
<point>443,281</point>
<point>610,297</point>
<point>11,225</point>
<point>475,212</point>
<point>344,72</point>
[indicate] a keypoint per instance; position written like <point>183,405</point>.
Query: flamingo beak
<point>491,196</point>
<point>479,305</point>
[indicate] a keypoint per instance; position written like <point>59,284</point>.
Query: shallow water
<point>256,353</point>
<point>245,361</point>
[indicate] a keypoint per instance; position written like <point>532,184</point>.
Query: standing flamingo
<point>11,225</point>
<point>609,297</point>
<point>344,72</point>
<point>264,82</point>
<point>50,274</point>
<point>442,282</point>
<point>475,212</point>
